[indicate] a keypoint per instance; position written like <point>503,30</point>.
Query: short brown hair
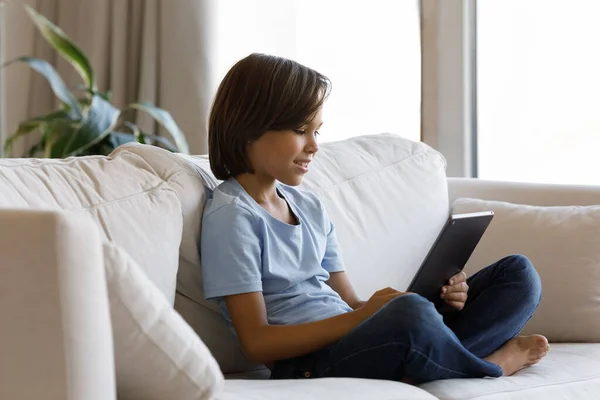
<point>260,93</point>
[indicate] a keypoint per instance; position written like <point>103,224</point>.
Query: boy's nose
<point>312,146</point>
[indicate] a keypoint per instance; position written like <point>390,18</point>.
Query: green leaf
<point>136,132</point>
<point>56,83</point>
<point>105,95</point>
<point>65,46</point>
<point>56,135</point>
<point>165,119</point>
<point>35,149</point>
<point>29,125</point>
<point>23,130</point>
<point>84,102</point>
<point>103,148</point>
<point>101,120</point>
<point>60,114</point>
<point>166,143</point>
<point>119,138</point>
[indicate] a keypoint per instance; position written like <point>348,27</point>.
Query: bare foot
<point>520,352</point>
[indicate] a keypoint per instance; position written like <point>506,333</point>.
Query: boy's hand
<point>455,293</point>
<point>380,299</point>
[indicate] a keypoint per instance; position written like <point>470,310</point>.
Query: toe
<point>535,358</point>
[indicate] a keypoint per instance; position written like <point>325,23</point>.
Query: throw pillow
<point>563,243</point>
<point>157,355</point>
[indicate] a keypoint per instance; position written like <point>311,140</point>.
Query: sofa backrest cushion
<point>190,178</point>
<point>123,194</point>
<point>388,199</point>
<point>562,244</point>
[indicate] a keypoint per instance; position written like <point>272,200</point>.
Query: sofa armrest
<point>537,194</point>
<point>55,334</point>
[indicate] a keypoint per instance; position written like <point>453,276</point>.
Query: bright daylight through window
<point>538,90</point>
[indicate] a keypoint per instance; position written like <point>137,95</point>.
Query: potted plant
<point>86,122</point>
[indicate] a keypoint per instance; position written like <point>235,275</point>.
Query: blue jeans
<point>409,338</point>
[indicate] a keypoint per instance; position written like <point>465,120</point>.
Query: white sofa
<point>388,198</point>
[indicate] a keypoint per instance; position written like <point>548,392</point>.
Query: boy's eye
<point>303,132</point>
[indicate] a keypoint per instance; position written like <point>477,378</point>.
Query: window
<point>538,90</point>
<point>369,49</point>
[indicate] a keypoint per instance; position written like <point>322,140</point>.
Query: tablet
<point>450,252</point>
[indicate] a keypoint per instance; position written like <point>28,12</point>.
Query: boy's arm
<point>333,264</point>
<point>265,343</point>
<point>339,282</point>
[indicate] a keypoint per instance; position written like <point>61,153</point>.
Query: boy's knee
<point>414,314</point>
<point>521,268</point>
<point>409,303</point>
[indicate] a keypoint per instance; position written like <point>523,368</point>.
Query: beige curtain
<point>160,51</point>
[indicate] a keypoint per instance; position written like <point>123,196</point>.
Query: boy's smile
<point>285,155</point>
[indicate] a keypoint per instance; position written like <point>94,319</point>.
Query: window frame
<point>449,76</point>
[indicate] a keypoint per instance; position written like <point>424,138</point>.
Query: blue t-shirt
<point>245,249</point>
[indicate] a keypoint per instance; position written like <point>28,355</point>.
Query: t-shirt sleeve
<point>230,253</point>
<point>332,261</point>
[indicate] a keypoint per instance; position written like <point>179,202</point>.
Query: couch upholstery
<point>387,196</point>
<point>54,308</point>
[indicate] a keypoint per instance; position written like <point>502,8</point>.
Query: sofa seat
<point>317,389</point>
<point>569,371</point>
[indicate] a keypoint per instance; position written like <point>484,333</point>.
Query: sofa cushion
<point>122,193</point>
<point>563,243</point>
<point>185,176</point>
<point>190,177</point>
<point>388,199</point>
<point>157,355</point>
<point>569,371</point>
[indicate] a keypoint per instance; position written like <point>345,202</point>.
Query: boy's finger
<point>386,291</point>
<point>455,296</point>
<point>456,304</point>
<point>459,287</point>
<point>458,278</point>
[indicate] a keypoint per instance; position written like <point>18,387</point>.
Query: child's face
<point>285,155</point>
